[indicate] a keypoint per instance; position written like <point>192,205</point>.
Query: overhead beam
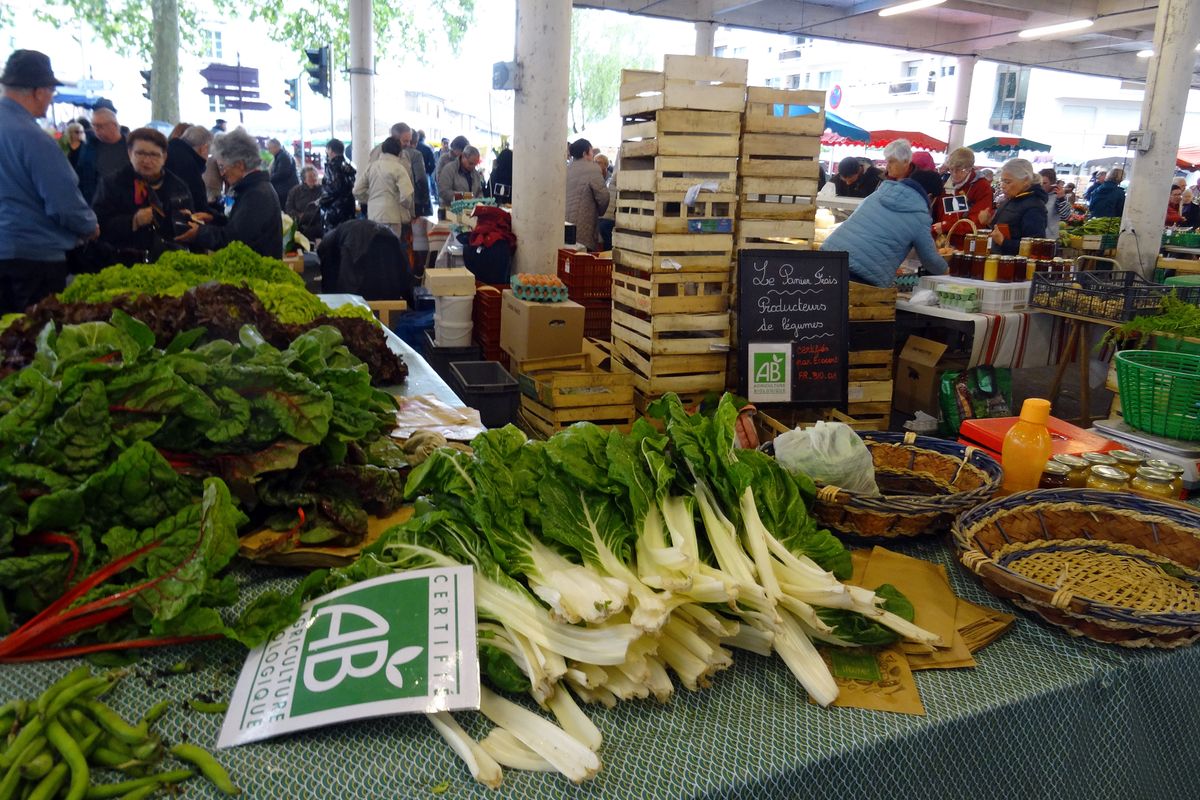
<point>730,9</point>
<point>989,10</point>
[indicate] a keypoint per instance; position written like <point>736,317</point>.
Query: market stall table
<point>1078,341</point>
<point>1042,715</point>
<point>1011,339</point>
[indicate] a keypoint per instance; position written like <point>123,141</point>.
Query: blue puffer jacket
<point>1107,201</point>
<point>881,231</point>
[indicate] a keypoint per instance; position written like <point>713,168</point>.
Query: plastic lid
<point>1035,410</point>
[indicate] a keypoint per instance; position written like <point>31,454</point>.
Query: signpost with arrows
<point>237,85</point>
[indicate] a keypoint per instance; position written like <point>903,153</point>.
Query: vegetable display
<point>136,467</point>
<point>1178,318</point>
<point>605,562</point>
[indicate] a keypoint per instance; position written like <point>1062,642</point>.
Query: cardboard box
<point>916,387</point>
<point>538,330</point>
<point>450,282</point>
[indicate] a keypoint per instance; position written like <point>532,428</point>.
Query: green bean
<point>108,790</point>
<point>72,693</point>
<point>31,731</point>
<point>70,679</point>
<point>81,721</point>
<point>36,768</point>
<point>207,765</point>
<point>88,743</point>
<point>8,785</point>
<point>111,742</point>
<point>140,794</point>
<point>49,785</point>
<point>156,711</point>
<point>208,708</point>
<point>122,762</point>
<point>70,752</point>
<point>111,721</point>
<point>149,750</point>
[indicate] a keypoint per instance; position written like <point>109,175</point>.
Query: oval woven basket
<point>924,484</point>
<point>1109,566</point>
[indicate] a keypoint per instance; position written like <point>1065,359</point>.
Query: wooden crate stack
<point>672,276</point>
<point>777,174</point>
<point>872,332</point>
<point>559,391</point>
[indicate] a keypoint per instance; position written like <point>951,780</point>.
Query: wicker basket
<point>924,483</point>
<point>1108,566</point>
<point>948,237</point>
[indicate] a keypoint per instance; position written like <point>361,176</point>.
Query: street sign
<point>224,74</point>
<point>248,105</point>
<point>91,85</point>
<point>229,92</point>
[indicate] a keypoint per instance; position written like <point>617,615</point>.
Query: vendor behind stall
<point>966,189</point>
<point>853,179</point>
<point>889,223</point>
<point>1023,212</point>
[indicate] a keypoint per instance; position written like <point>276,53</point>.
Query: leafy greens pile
<point>115,452</point>
<point>605,561</point>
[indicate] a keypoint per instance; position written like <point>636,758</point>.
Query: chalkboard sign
<point>792,321</point>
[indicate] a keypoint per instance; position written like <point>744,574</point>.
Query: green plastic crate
<point>1160,392</point>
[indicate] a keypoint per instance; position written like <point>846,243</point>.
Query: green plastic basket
<point>1160,392</point>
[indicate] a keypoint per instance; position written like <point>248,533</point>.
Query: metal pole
<point>300,108</point>
<point>362,78</point>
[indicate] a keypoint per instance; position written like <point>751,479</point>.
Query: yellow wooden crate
<point>547,421</point>
<point>665,252</point>
<point>572,381</point>
<point>672,334</point>
<point>676,173</point>
<point>681,132</point>
<point>667,212</point>
<point>658,374</point>
<point>693,82</point>
<point>667,293</point>
<point>774,111</point>
<point>779,155</point>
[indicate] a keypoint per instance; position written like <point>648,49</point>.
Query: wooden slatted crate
<point>667,212</point>
<point>545,421</point>
<point>573,381</point>
<point>672,334</point>
<point>677,173</point>
<point>672,252</point>
<point>777,111</point>
<point>775,234</point>
<point>657,375</point>
<point>681,132</point>
<point>871,343</point>
<point>778,155</point>
<point>672,293</point>
<point>694,82</point>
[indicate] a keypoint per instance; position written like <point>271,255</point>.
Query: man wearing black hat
<point>42,213</point>
<point>853,179</point>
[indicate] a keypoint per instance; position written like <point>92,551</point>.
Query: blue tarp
<point>834,123</point>
<point>74,99</point>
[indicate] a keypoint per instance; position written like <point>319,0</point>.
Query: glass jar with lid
<point>1127,461</point>
<point>1108,478</point>
<point>1099,460</point>
<point>1174,470</point>
<point>991,268</point>
<point>1153,483</point>
<point>1005,269</point>
<point>977,262</point>
<point>1078,469</point>
<point>1055,476</point>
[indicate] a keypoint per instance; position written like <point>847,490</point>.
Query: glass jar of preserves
<point>1005,268</point>
<point>1174,470</point>
<point>1128,462</point>
<point>1078,469</point>
<point>1153,483</point>
<point>1025,248</point>
<point>1031,265</point>
<point>1055,476</point>
<point>1019,267</point>
<point>991,268</point>
<point>1099,459</point>
<point>1044,248</point>
<point>977,262</point>
<point>1110,479</point>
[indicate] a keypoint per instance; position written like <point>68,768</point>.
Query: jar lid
<point>1099,458</point>
<point>1055,468</point>
<point>1109,473</point>
<point>1164,465</point>
<point>1155,475</point>
<point>1071,461</point>
<point>1125,456</point>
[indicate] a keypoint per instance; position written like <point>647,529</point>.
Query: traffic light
<point>145,83</point>
<point>292,92</point>
<point>318,70</point>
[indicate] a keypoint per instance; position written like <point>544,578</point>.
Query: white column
<point>1176,32</point>
<point>964,74</point>
<point>362,78</point>
<point>540,132</point>
<point>706,35</point>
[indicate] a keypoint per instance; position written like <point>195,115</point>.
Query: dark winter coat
<point>283,174</point>
<point>1025,216</point>
<point>1108,200</point>
<point>119,198</point>
<point>367,259</point>
<point>186,164</point>
<point>337,193</point>
<point>254,220</point>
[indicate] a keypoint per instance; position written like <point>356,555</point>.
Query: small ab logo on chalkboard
<point>768,367</point>
<point>770,373</point>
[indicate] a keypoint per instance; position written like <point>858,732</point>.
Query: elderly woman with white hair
<point>1023,213</point>
<point>899,155</point>
<point>255,216</point>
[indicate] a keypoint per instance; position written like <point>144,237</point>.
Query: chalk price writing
<point>815,375</point>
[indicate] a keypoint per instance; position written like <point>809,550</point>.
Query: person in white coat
<point>387,190</point>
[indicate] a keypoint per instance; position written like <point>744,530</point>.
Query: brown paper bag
<point>878,679</point>
<point>923,583</point>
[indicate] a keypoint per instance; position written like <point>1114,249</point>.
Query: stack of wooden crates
<point>672,273</point>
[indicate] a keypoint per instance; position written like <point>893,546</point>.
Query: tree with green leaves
<point>600,49</point>
<point>156,30</point>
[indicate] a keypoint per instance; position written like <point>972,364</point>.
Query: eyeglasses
<point>148,154</point>
<point>960,169</point>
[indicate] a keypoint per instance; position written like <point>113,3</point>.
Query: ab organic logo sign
<point>397,644</point>
<point>768,368</point>
<point>770,372</point>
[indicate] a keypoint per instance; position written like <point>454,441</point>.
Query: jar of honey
<point>1031,268</point>
<point>991,268</point>
<point>1128,462</point>
<point>1175,471</point>
<point>1019,266</point>
<point>977,262</point>
<point>1153,483</point>
<point>1077,467</point>
<point>1025,248</point>
<point>1099,460</point>
<point>1055,476</point>
<point>1005,268</point>
<point>1109,479</point>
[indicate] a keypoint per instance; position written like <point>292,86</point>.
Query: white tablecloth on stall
<point>1012,339</point>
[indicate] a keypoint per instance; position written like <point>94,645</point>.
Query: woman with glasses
<point>969,193</point>
<point>138,206</point>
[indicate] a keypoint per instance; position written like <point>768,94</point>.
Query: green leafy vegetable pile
<point>1178,318</point>
<point>115,452</point>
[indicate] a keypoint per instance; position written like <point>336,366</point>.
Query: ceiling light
<point>1145,53</point>
<point>1061,27</point>
<point>904,8</point>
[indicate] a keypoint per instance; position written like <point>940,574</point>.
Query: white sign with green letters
<point>399,644</point>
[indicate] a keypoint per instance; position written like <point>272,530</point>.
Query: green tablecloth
<point>1043,715</point>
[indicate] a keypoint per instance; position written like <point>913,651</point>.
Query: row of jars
<point>980,244</point>
<point>1115,471</point>
<point>1004,269</point>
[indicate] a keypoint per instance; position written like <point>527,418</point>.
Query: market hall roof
<point>987,28</point>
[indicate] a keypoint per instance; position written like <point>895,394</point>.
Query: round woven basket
<point>1109,566</point>
<point>924,484</point>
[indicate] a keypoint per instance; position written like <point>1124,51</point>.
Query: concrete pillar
<point>706,35</point>
<point>1176,31</point>
<point>362,80</point>
<point>540,132</point>
<point>964,74</point>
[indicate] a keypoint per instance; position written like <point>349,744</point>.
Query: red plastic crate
<point>587,276</point>
<point>597,319</point>
<point>988,435</point>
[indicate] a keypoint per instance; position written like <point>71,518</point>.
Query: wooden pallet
<point>573,381</point>
<point>775,234</point>
<point>693,82</point>
<point>679,293</point>
<point>676,173</point>
<point>774,111</point>
<point>779,155</point>
<point>666,212</point>
<point>545,421</point>
<point>671,334</point>
<point>672,252</point>
<point>681,132</point>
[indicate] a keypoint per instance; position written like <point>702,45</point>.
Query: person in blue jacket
<point>891,221</point>
<point>1108,199</point>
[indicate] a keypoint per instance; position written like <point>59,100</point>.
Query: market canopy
<point>75,99</point>
<point>921,141</point>
<point>999,144</point>
<point>1188,157</point>
<point>837,130</point>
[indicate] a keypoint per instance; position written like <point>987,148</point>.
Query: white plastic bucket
<point>448,333</point>
<point>454,309</point>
